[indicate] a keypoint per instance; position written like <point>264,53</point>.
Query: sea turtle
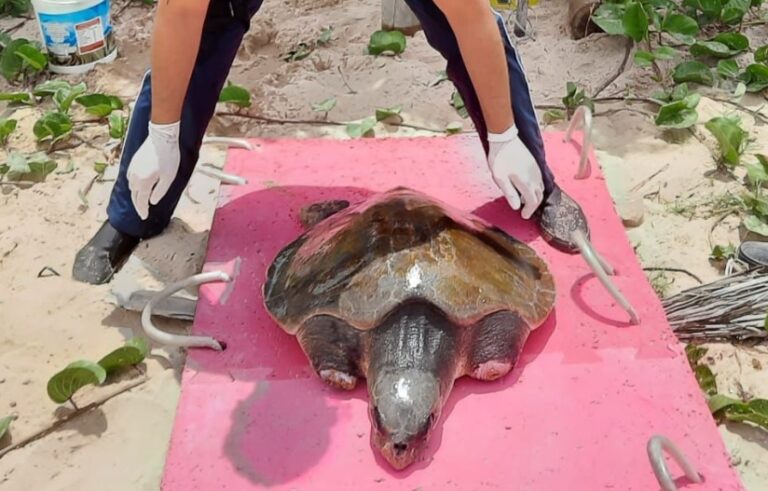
<point>410,294</point>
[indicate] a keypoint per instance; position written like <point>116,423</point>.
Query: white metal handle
<point>222,176</point>
<point>583,118</point>
<point>168,339</point>
<point>656,445</point>
<point>232,142</point>
<point>602,270</point>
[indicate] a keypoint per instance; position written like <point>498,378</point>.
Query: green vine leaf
<point>7,126</point>
<point>757,205</point>
<point>554,115</point>
<point>718,402</point>
<point>53,125</point>
<point>610,18</point>
<point>235,94</point>
<point>453,128</point>
<point>754,411</point>
<point>644,58</point>
<point>50,87</point>
<point>117,125</point>
<point>34,168</point>
<point>299,52</point>
<point>324,106</point>
<point>693,71</point>
<point>5,423</point>
<point>575,97</point>
<point>63,385</point>
<point>20,97</point>
<point>325,36</point>
<point>706,379</point>
<point>679,113</point>
<point>757,174</point>
<point>711,48</point>
<point>458,103</point>
<point>100,105</point>
<point>734,11</point>
<point>363,128</point>
<point>739,92</point>
<point>710,8</point>
<point>736,41</point>
<point>728,69</point>
<point>63,97</point>
<point>694,353</point>
<point>680,24</point>
<point>722,253</point>
<point>16,8</point>
<point>730,137</point>
<point>32,57</point>
<point>386,42</point>
<point>133,353</point>
<point>756,225</point>
<point>635,22</point>
<point>755,77</point>
<point>389,114</point>
<point>665,53</point>
<point>10,63</point>
<point>761,54</point>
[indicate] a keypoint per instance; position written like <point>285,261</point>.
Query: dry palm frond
<point>733,308</point>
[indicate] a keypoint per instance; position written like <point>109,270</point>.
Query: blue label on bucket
<point>69,36</point>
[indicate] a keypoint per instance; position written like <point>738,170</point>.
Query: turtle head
<point>405,405</point>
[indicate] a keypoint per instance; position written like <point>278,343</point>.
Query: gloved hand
<point>154,166</point>
<point>515,171</point>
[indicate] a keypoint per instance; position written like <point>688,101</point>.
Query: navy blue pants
<point>223,32</point>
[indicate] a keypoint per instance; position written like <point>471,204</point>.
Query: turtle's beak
<point>399,452</point>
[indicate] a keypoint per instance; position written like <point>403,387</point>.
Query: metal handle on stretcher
<point>168,339</point>
<point>656,445</point>
<point>222,176</point>
<point>582,117</point>
<point>602,270</point>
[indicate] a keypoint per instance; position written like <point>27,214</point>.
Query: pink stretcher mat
<point>575,414</point>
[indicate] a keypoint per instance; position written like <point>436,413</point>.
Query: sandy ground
<point>50,321</point>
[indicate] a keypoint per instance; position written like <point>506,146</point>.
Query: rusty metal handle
<point>656,445</point>
<point>583,118</point>
<point>602,270</point>
<point>168,339</point>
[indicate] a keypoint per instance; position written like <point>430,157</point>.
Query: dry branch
<point>730,309</point>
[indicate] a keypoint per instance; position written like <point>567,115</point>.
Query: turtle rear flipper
<point>497,343</point>
<point>317,212</point>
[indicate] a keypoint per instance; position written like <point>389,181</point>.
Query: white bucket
<point>77,34</point>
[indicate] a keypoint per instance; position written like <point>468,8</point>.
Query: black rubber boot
<point>754,253</point>
<point>558,216</point>
<point>103,255</point>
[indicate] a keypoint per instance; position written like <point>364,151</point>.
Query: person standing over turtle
<point>178,97</point>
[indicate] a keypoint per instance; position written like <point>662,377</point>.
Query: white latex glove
<point>154,166</point>
<point>515,171</point>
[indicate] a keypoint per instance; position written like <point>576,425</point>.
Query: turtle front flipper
<point>334,348</point>
<point>317,212</point>
<point>497,343</point>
